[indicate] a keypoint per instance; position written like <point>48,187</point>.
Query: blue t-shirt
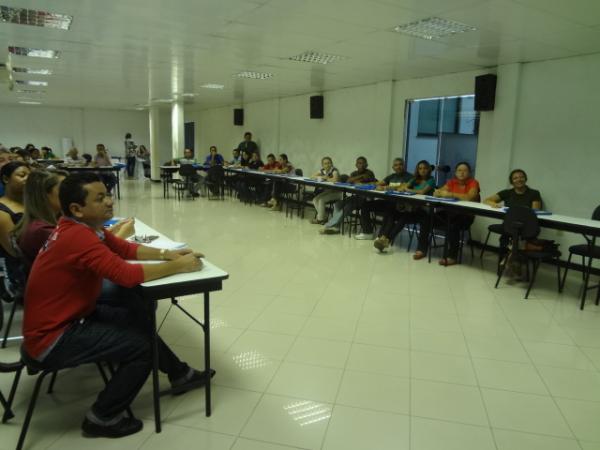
<point>428,183</point>
<point>218,160</point>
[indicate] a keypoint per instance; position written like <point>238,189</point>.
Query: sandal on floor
<point>447,262</point>
<point>418,255</point>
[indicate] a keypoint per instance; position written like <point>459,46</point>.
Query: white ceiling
<point>122,53</point>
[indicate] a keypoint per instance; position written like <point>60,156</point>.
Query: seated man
<point>63,325</point>
<point>280,187</point>
<point>396,179</point>
<point>235,160</point>
<point>362,175</point>
<point>195,180</point>
<point>213,158</point>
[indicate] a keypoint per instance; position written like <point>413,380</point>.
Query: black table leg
<point>207,352</point>
<point>155,384</point>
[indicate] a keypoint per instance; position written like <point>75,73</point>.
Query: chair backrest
<point>299,172</point>
<point>521,222</point>
<point>187,170</point>
<point>215,173</point>
<point>596,213</point>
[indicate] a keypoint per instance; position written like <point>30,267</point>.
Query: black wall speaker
<point>485,92</point>
<point>316,107</point>
<point>238,116</point>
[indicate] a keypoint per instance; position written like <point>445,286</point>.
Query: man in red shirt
<point>62,325</point>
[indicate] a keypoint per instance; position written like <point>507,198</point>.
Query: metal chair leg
<point>11,316</point>
<point>536,265</point>
<point>587,271</point>
<point>11,396</point>
<point>487,239</point>
<point>52,381</point>
<point>564,277</point>
<point>34,396</point>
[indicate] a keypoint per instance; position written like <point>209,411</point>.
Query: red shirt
<point>454,186</point>
<point>66,279</point>
<point>273,166</point>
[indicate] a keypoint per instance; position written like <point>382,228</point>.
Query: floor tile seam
<point>556,405</point>
<point>339,387</point>
<point>294,447</point>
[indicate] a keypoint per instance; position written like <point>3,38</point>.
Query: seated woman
<point>279,187</point>
<point>395,219</point>
<point>329,174</point>
<point>13,176</point>
<point>462,187</point>
<point>47,153</point>
<point>213,158</point>
<point>102,159</point>
<point>42,211</point>
<point>519,195</point>
<point>73,158</point>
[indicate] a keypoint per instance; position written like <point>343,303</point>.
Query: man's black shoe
<point>124,427</point>
<point>197,380</point>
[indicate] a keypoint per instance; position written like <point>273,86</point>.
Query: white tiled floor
<point>321,343</point>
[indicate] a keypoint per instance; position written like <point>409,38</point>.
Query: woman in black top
<point>13,176</point>
<point>519,195</point>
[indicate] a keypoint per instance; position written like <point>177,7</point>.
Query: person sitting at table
<point>73,158</point>
<point>195,180</point>
<point>22,155</point>
<point>461,187</point>
<point>13,176</point>
<point>235,158</point>
<point>329,174</point>
<point>279,187</point>
<point>396,179</point>
<point>42,211</point>
<point>47,153</point>
<point>362,175</point>
<point>65,326</point>
<point>213,158</point>
<point>35,154</point>
<point>519,195</point>
<point>102,159</point>
<point>395,218</point>
<point>251,188</point>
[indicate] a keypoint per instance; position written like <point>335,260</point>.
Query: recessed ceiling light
<point>433,27</point>
<point>32,71</point>
<point>32,82</point>
<point>23,16</point>
<point>27,102</point>
<point>33,52</point>
<point>212,86</point>
<point>254,75</point>
<point>316,58</point>
<point>30,91</point>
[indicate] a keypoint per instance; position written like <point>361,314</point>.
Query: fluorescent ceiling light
<point>162,100</point>
<point>32,82</point>
<point>212,86</point>
<point>32,71</point>
<point>316,58</point>
<point>254,75</point>
<point>23,16</point>
<point>33,52</point>
<point>30,91</point>
<point>188,94</point>
<point>27,102</point>
<point>433,28</point>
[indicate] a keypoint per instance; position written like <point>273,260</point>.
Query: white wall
<point>545,121</point>
<point>42,126</point>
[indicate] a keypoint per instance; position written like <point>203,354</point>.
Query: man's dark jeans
<point>118,332</point>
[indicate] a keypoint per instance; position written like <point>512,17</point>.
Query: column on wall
<point>154,121</point>
<point>177,128</point>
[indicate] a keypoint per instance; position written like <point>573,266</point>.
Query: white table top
<point>209,271</point>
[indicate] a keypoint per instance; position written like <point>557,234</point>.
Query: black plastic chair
<point>36,368</point>
<point>496,228</point>
<point>183,185</point>
<point>590,251</point>
<point>521,224</point>
<point>6,403</point>
<point>293,197</point>
<point>215,183</point>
